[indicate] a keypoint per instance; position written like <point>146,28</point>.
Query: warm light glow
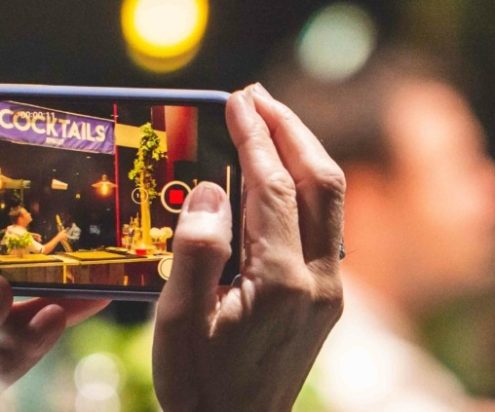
<point>104,186</point>
<point>163,35</point>
<point>104,189</point>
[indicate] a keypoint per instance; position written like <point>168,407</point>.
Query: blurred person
<point>419,226</point>
<point>248,346</point>
<point>21,219</point>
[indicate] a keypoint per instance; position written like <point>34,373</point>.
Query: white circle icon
<point>136,196</point>
<point>172,208</point>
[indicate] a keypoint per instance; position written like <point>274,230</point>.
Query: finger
<point>5,299</point>
<point>319,180</point>
<point>297,146</point>
<point>188,300</point>
<point>78,310</point>
<point>45,328</point>
<point>201,249</point>
<point>24,344</point>
<point>75,310</point>
<point>257,153</point>
<point>272,238</point>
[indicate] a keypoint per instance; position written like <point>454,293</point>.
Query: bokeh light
<point>336,42</point>
<point>97,378</point>
<point>163,35</point>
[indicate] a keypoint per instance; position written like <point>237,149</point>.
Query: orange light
<point>104,186</point>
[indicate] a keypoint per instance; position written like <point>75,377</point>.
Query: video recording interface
<point>112,178</point>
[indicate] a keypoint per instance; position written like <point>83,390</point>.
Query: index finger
<point>272,240</point>
<point>75,310</point>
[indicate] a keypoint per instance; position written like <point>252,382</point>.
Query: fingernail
<point>258,88</point>
<point>206,197</point>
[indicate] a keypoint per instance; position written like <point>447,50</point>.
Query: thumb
<point>201,249</point>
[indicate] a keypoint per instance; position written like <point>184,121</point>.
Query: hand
<point>250,347</point>
<point>29,329</point>
<point>37,237</point>
<point>62,236</point>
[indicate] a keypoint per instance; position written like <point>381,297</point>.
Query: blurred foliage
<point>131,345</point>
<point>309,399</point>
<point>462,336</point>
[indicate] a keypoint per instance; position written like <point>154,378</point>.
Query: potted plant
<point>17,244</point>
<point>149,153</point>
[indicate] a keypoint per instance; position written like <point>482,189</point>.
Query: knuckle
<point>287,118</point>
<point>255,137</point>
<point>280,185</point>
<point>256,132</point>
<point>331,180</point>
<point>328,293</point>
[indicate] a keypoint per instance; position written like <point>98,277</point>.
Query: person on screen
<point>21,220</point>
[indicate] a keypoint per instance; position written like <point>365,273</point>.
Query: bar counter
<point>109,269</point>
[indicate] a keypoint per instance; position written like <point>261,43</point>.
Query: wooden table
<point>63,269</point>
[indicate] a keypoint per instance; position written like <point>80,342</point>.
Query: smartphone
<point>111,167</point>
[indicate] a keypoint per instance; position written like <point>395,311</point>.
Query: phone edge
<point>11,90</point>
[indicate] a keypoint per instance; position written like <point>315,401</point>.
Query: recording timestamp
<point>34,115</point>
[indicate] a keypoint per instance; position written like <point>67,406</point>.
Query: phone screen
<point>114,176</point>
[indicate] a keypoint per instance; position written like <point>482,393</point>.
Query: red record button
<point>176,196</point>
<point>173,195</point>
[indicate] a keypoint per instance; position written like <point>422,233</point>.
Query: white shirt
<point>366,365</point>
<point>16,230</point>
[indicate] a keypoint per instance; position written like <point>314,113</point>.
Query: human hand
<point>250,346</point>
<point>29,329</point>
<point>37,237</point>
<point>62,236</point>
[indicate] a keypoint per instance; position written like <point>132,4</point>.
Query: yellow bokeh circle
<point>164,28</point>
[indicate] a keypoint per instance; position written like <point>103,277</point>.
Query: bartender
<point>21,219</point>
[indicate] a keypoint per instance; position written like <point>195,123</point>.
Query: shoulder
<point>15,230</point>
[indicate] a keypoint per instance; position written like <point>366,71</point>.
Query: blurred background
<point>104,364</point>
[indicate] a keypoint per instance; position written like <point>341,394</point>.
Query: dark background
<point>80,43</point>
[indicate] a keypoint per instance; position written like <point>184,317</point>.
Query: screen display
<point>113,175</point>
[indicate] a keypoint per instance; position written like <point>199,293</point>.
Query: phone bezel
<point>119,94</point>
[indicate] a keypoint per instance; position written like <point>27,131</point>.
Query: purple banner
<point>40,126</point>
